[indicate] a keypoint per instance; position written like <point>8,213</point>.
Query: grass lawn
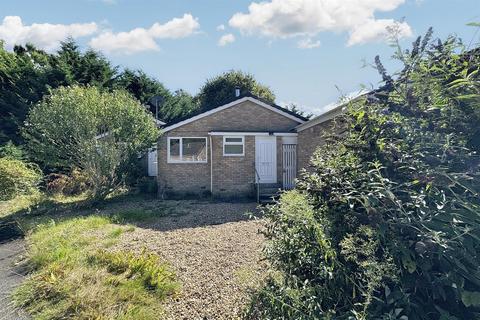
<point>135,258</point>
<point>75,276</point>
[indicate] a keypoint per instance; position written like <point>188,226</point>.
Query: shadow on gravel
<point>138,210</point>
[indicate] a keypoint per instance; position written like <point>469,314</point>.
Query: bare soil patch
<point>215,251</point>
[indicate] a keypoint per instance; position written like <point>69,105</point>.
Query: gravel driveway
<point>10,277</point>
<point>215,252</point>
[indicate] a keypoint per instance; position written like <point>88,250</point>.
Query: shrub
<point>17,178</point>
<point>102,133</point>
<point>9,150</point>
<point>387,223</point>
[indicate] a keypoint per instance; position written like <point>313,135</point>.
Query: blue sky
<point>302,49</point>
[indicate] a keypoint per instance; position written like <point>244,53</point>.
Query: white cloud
<point>44,35</point>
<point>308,43</point>
<point>141,39</point>
<point>378,30</point>
<point>226,39</point>
<point>307,18</point>
<point>221,27</point>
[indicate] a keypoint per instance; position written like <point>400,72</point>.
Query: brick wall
<point>232,176</point>
<point>310,139</point>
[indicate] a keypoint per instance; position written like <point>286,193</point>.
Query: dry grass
<point>74,277</point>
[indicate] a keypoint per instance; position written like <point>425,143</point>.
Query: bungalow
<point>235,149</point>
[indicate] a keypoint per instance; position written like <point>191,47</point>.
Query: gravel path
<point>10,277</point>
<point>215,252</point>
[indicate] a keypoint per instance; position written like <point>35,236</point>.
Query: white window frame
<point>181,150</point>
<point>234,144</point>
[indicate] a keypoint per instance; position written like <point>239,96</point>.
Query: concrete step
<point>269,191</point>
<point>270,185</point>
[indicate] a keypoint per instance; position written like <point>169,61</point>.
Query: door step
<point>269,193</point>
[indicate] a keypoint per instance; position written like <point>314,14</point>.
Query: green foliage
<point>386,223</point>
<point>17,178</point>
<point>221,89</point>
<point>28,73</point>
<point>178,105</point>
<point>140,85</point>
<point>101,133</point>
<point>9,150</point>
<point>75,277</point>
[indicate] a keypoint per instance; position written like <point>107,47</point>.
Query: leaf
<point>473,24</point>
<point>408,263</point>
<point>471,298</point>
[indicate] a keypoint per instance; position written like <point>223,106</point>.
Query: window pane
<point>233,140</point>
<point>233,149</point>
<point>194,149</point>
<point>175,149</point>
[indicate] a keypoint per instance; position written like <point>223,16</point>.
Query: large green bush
<point>17,178</point>
<point>99,133</point>
<point>387,223</point>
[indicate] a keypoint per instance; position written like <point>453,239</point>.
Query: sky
<point>309,52</point>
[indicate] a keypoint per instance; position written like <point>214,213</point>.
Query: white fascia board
<point>228,105</point>
<point>285,134</point>
<point>239,133</point>
<point>320,119</point>
<point>235,133</point>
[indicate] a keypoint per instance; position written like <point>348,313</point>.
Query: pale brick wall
<point>232,176</point>
<point>310,139</point>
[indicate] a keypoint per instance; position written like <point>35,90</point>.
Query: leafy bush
<point>17,178</point>
<point>9,150</point>
<point>102,133</point>
<point>387,223</point>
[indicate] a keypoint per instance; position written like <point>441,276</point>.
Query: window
<point>233,146</point>
<point>188,150</point>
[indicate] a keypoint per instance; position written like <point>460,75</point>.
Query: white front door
<point>266,159</point>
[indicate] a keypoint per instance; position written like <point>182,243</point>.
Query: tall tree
<point>140,85</point>
<point>27,73</point>
<point>221,89</point>
<point>88,68</point>
<point>179,105</point>
<point>144,87</point>
<point>23,82</point>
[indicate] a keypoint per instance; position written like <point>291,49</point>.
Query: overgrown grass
<point>74,276</point>
<point>19,203</point>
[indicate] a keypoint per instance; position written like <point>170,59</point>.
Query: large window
<point>187,150</point>
<point>233,146</point>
